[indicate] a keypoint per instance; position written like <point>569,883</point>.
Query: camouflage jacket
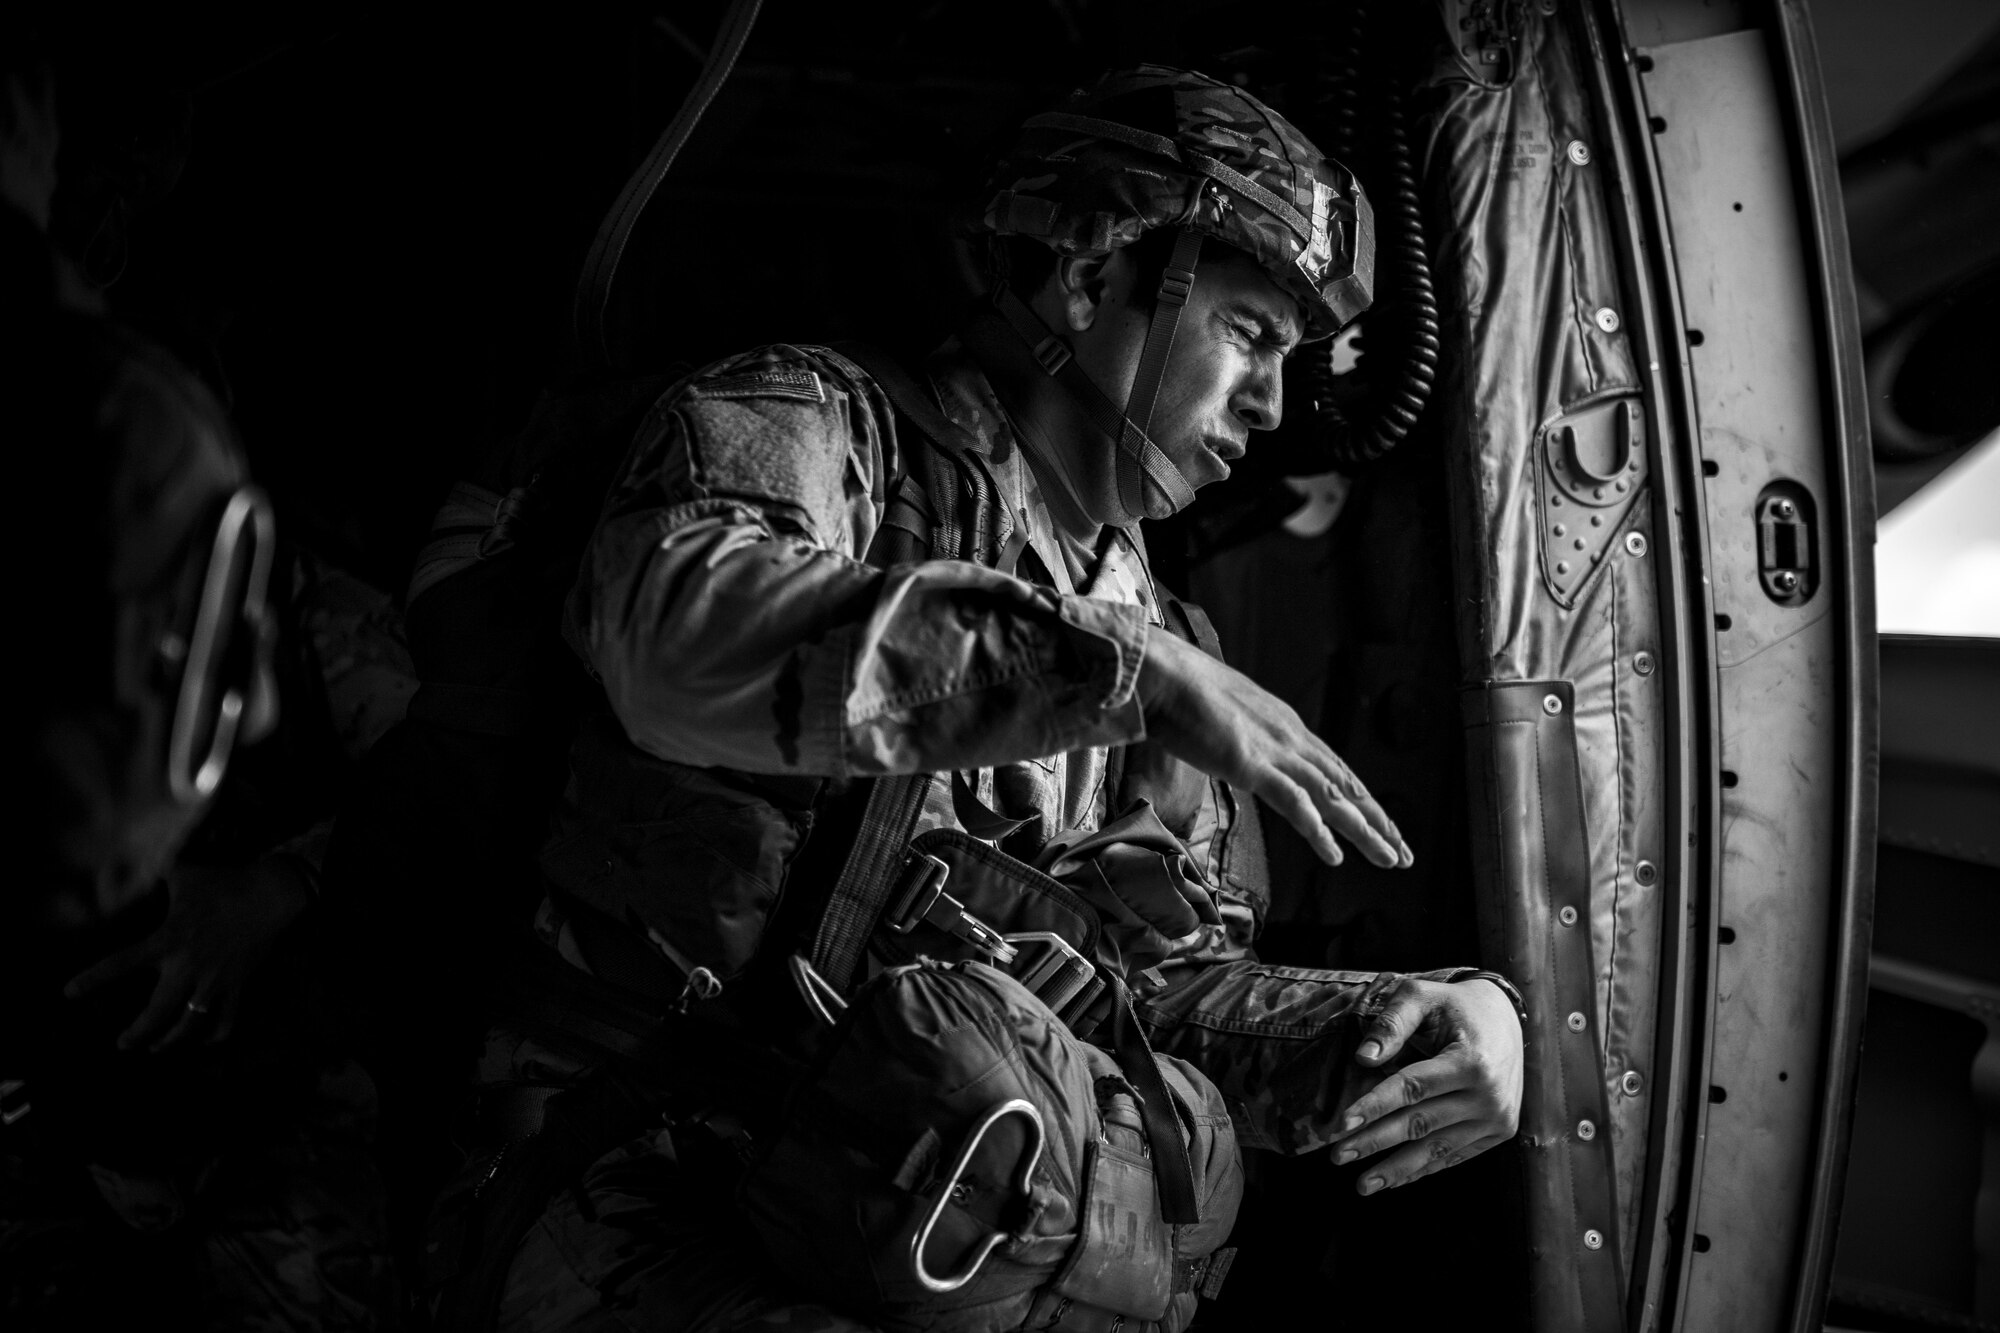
<point>750,654</point>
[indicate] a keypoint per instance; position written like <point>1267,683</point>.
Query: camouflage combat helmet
<point>1166,148</point>
<point>1159,147</point>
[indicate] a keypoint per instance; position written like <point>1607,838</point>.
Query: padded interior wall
<point>1555,584</point>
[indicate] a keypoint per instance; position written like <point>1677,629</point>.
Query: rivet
<point>1575,1021</point>
<point>1586,1131</point>
<point>1607,319</point>
<point>1555,502</point>
<point>1620,484</point>
<point>1552,704</point>
<point>1559,530</point>
<point>1646,872</point>
<point>1598,492</point>
<point>1562,566</point>
<point>1631,1084</point>
<point>1567,916</point>
<point>1642,662</point>
<point>1597,520</point>
<point>1579,152</point>
<point>173,648</point>
<point>1593,1239</point>
<point>1635,542</point>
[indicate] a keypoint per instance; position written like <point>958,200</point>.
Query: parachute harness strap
<point>1140,460</point>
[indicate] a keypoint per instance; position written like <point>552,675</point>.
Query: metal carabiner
<point>1014,1106</point>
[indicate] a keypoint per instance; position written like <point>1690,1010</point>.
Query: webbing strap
<point>869,877</point>
<point>1135,442</point>
<point>1052,354</point>
<point>895,803</point>
<point>593,287</point>
<point>1138,455</point>
<point>1172,1171</point>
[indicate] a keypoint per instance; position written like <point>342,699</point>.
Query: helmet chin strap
<point>1141,462</point>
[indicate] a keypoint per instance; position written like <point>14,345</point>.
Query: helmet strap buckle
<point>1051,354</point>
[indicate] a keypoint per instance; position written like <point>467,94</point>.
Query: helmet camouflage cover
<point>1160,147</point>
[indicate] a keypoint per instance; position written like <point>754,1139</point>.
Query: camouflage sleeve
<point>725,604</point>
<point>1227,843</point>
<point>1278,1041</point>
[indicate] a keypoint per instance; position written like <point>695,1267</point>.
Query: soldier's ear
<point>1084,284</point>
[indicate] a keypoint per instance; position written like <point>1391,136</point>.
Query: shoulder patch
<point>801,385</point>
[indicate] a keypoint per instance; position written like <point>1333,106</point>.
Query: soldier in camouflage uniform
<point>756,604</point>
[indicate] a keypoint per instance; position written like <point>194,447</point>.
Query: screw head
<point>1785,509</point>
<point>1642,662</point>
<point>1579,152</point>
<point>1646,872</point>
<point>1632,1083</point>
<point>1635,542</point>
<point>1552,704</point>
<point>1607,319</point>
<point>1785,581</point>
<point>1567,916</point>
<point>1576,1021</point>
<point>1593,1239</point>
<point>1586,1130</point>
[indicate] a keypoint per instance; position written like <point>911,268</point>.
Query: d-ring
<point>1022,1182</point>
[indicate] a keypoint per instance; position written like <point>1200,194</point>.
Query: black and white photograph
<point>1076,666</point>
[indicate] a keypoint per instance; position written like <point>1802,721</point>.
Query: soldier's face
<point>1222,380</point>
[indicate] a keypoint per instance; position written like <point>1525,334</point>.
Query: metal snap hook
<point>1014,1106</point>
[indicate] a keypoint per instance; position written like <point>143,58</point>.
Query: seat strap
<point>1173,1172</point>
<point>869,877</point>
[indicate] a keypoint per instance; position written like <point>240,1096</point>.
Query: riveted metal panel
<point>1743,255</point>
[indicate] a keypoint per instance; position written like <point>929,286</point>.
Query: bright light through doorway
<point>1937,557</point>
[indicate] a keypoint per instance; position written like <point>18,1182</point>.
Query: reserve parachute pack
<point>957,1161</point>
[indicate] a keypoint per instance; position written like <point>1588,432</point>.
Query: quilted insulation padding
<point>1516,180</point>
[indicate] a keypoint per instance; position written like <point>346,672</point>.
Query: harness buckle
<point>1175,285</point>
<point>1052,353</point>
<point>1051,968</point>
<point>926,901</point>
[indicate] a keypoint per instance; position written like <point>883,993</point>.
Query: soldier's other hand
<point>1464,1098</point>
<point>1229,727</point>
<point>220,926</point>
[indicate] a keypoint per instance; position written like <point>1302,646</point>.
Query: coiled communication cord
<point>1360,425</point>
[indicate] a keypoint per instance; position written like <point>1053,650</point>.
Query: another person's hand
<point>1464,1098</point>
<point>220,926</point>
<point>1229,727</point>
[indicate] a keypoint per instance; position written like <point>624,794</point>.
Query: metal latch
<point>1786,563</point>
<point>925,900</point>
<point>1049,967</point>
<point>951,1191</point>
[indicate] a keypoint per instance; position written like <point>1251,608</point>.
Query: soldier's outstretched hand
<point>1229,727</point>
<point>1462,1099</point>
